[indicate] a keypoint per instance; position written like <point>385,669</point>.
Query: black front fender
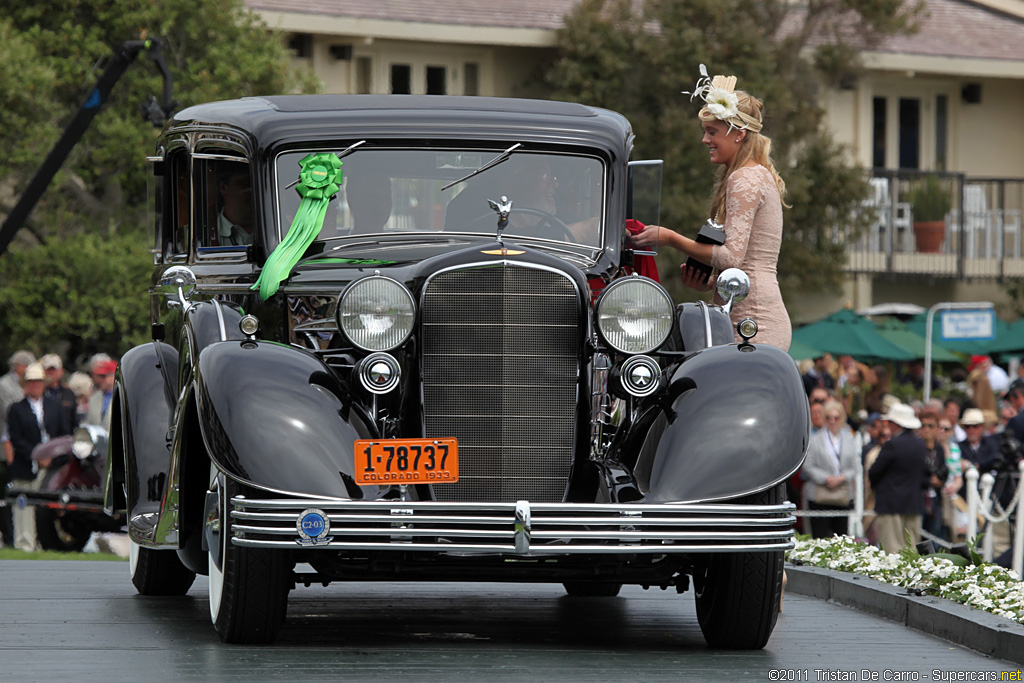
<point>278,418</point>
<point>735,421</point>
<point>145,394</point>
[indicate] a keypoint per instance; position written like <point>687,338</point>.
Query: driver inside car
<point>534,186</point>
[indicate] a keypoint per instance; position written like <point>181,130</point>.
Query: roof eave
<point>945,66</point>
<point>296,22</point>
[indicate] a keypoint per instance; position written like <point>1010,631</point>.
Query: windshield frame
<point>586,251</point>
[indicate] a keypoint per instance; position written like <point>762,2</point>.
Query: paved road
<point>83,622</point>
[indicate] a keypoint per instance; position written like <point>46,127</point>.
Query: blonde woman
<point>747,198</point>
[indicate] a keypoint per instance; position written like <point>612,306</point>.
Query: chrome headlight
<point>376,313</point>
<point>634,315</point>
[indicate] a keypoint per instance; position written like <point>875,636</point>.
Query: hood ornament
<point>503,208</point>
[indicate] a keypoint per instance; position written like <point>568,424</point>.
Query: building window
<point>401,79</point>
<point>910,132</point>
<point>364,75</point>
<point>301,44</point>
<point>878,133</point>
<point>471,78</point>
<point>437,80</point>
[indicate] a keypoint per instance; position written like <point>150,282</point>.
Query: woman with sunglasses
<point>945,434</point>
<point>829,471</point>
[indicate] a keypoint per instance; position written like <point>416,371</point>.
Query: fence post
<point>987,482</point>
<point>972,502</point>
<point>1018,528</point>
<point>856,525</point>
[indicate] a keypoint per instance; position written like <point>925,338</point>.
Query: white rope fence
<point>979,504</point>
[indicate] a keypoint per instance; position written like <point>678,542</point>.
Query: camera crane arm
<point>155,112</point>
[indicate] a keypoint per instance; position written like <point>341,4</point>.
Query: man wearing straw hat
<point>899,476</point>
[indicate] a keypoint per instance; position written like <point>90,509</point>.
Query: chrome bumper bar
<point>521,528</point>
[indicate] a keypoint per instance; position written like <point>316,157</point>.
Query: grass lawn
<point>13,554</point>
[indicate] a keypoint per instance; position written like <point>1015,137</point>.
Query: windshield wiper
<point>493,162</point>
<point>343,153</point>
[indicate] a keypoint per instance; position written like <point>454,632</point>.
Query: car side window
<point>175,216</point>
<point>225,203</point>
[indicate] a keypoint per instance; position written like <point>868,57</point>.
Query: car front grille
<point>501,374</point>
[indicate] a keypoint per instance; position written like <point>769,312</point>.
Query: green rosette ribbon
<point>319,180</point>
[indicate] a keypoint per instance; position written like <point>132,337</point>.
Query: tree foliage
<point>51,55</point>
<point>83,293</point>
<point>636,58</point>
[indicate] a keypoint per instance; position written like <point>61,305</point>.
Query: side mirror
<point>178,283</point>
<point>733,285</point>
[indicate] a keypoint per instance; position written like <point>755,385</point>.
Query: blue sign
<point>968,325</point>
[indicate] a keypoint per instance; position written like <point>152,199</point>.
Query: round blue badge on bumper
<point>313,526</point>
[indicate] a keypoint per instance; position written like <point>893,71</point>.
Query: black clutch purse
<point>710,233</point>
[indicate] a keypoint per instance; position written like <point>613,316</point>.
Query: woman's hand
<point>695,280</point>
<point>648,238</point>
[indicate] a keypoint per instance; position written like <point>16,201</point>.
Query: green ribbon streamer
<point>319,180</point>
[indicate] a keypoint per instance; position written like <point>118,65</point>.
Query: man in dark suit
<point>978,448</point>
<point>817,375</point>
<point>898,477</point>
<point>1015,397</point>
<point>30,422</point>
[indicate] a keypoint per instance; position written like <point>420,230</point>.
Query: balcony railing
<point>978,235</point>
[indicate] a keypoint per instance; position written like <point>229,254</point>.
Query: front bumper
<point>521,529</point>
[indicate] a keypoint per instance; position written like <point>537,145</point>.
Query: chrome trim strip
<point>522,535</point>
<point>522,531</point>
<point>324,325</point>
<point>522,528</point>
<point>652,508</point>
<point>289,518</point>
<point>707,323</point>
<point>658,549</point>
<point>224,287</point>
<point>220,320</point>
<point>220,157</point>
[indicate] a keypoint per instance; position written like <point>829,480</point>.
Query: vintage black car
<point>460,377</point>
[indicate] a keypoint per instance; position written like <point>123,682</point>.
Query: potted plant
<point>929,201</point>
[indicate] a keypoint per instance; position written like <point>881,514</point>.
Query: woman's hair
<point>755,146</point>
<point>834,406</point>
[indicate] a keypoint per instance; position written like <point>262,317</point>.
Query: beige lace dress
<point>753,235</point>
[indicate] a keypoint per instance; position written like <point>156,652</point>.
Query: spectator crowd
<point>37,404</point>
<point>912,456</point>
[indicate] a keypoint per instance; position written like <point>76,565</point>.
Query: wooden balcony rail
<point>942,225</point>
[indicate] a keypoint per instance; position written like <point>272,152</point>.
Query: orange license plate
<point>407,461</point>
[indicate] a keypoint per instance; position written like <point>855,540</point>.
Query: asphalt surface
<point>83,622</point>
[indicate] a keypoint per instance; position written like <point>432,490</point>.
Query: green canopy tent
<point>899,333</point>
<point>846,333</point>
<point>1012,341</point>
<point>801,351</point>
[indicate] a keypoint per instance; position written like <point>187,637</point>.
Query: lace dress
<point>753,235</point>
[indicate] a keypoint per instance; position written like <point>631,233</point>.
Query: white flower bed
<point>986,586</point>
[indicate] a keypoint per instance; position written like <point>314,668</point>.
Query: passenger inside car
<point>234,223</point>
<point>369,201</point>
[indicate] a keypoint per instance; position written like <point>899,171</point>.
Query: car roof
<point>295,118</point>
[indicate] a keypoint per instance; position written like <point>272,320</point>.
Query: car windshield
<point>555,197</point>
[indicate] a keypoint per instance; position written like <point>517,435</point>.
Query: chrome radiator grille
<point>501,374</point>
